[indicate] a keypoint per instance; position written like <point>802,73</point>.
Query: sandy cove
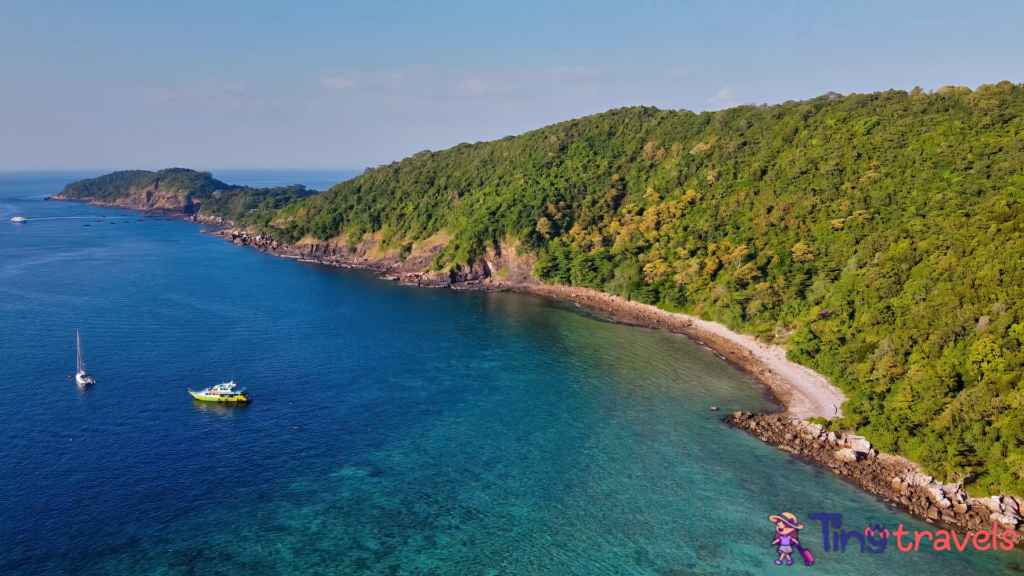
<point>803,392</point>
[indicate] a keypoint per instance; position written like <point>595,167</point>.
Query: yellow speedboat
<point>227,392</point>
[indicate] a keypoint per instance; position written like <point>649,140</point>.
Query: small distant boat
<point>82,377</point>
<point>18,219</point>
<point>227,392</point>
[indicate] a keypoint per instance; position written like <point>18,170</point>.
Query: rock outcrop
<point>210,220</point>
<point>150,200</point>
<point>892,478</point>
<point>411,268</point>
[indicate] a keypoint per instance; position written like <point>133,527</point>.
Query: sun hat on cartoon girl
<point>786,527</point>
<point>788,519</point>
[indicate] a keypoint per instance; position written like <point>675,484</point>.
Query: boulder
<point>858,443</point>
<point>994,504</point>
<point>847,455</point>
<point>1003,519</point>
<point>918,479</point>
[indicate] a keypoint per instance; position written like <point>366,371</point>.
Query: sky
<point>206,84</point>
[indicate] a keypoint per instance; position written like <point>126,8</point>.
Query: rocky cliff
<point>411,266</point>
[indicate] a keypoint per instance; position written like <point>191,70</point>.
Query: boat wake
<point>58,218</point>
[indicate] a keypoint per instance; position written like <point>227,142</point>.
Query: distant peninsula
<point>179,191</point>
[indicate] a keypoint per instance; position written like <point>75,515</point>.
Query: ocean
<point>393,429</point>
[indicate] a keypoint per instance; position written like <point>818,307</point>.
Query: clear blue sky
<point>208,84</point>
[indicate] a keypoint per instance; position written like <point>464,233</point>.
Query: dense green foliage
<point>106,188</point>
<point>877,235</point>
<point>233,204</point>
<point>216,197</point>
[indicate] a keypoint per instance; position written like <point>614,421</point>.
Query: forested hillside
<point>878,236</point>
<point>181,189</point>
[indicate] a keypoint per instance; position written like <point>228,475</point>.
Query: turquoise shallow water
<point>395,430</point>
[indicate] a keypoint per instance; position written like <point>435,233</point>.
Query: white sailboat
<point>82,377</point>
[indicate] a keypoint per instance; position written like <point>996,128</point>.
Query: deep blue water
<point>395,430</point>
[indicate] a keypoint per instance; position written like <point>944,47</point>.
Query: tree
<point>986,357</point>
<point>544,227</point>
<point>802,252</point>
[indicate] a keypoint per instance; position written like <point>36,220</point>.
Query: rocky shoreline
<point>803,392</point>
<point>892,478</point>
<point>210,220</point>
<point>171,212</point>
<point>408,271</point>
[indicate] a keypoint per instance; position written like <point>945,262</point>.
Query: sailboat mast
<point>78,342</point>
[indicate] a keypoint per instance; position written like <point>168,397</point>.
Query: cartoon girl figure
<point>786,527</point>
